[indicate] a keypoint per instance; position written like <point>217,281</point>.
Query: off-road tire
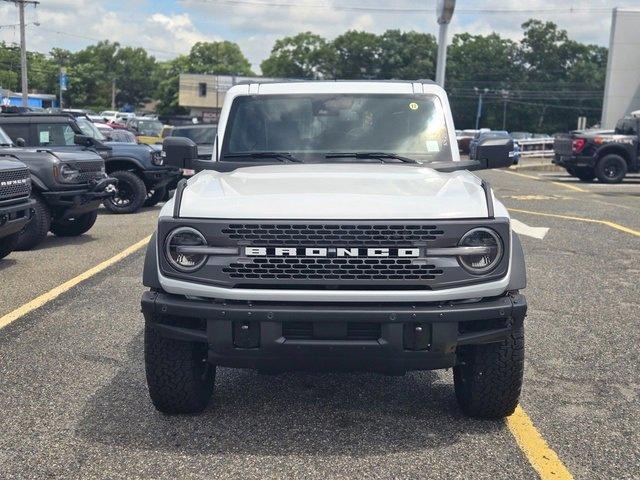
<point>178,376</point>
<point>136,193</point>
<point>489,382</point>
<point>155,196</point>
<point>36,230</point>
<point>584,174</point>
<point>76,226</point>
<point>611,168</point>
<point>8,244</point>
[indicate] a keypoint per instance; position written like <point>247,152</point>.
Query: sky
<point>167,28</point>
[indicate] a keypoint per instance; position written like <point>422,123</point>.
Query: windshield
<point>200,135</point>
<point>314,125</point>
<point>151,128</point>
<point>4,138</point>
<point>89,129</point>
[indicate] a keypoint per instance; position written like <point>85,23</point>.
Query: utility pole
<point>479,112</point>
<point>113,93</point>
<point>505,99</point>
<point>23,47</point>
<point>445,12</point>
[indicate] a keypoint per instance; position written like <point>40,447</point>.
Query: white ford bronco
<point>335,227</point>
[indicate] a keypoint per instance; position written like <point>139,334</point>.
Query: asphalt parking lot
<point>73,400</point>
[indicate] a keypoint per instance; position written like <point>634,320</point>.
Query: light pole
<point>479,112</point>
<point>444,12</point>
<point>505,99</point>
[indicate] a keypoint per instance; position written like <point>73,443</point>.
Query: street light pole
<point>23,48</point>
<point>479,112</point>
<point>445,12</point>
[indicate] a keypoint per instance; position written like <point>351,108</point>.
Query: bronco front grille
<point>89,170</point>
<point>331,234</point>
<point>15,184</point>
<point>332,269</point>
<point>354,331</point>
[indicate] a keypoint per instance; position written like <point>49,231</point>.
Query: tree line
<point>541,83</point>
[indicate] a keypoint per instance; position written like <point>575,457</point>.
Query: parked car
<point>607,155</point>
<point>350,245</point>
<point>115,134</point>
<point>15,200</point>
<point>486,134</point>
<point>142,177</point>
<point>203,135</point>
<point>108,115</point>
<point>146,130</point>
<point>67,186</point>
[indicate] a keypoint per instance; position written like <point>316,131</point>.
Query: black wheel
<point>611,169</point>
<point>179,378</point>
<point>73,227</point>
<point>584,174</point>
<point>489,380</point>
<point>155,196</point>
<point>130,195</point>
<point>36,230</point>
<point>8,244</point>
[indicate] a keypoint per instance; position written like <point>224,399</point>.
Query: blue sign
<point>64,82</point>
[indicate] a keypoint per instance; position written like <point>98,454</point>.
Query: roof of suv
<point>35,117</point>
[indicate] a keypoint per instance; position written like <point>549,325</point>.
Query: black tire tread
<point>599,170</point>
<point>36,230</point>
<point>174,374</point>
<point>76,227</point>
<point>489,384</point>
<point>140,195</point>
<point>156,197</point>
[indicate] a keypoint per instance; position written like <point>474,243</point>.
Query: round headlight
<point>183,260</point>
<point>68,173</point>
<point>489,254</point>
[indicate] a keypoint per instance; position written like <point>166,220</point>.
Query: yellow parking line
<point>541,457</point>
<point>60,289</point>
<point>608,223</point>
<point>560,184</point>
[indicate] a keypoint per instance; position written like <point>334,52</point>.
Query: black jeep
<point>67,189</point>
<point>142,179</point>
<point>15,203</point>
<point>606,154</point>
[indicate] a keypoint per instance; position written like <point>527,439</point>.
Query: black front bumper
<point>574,160</point>
<point>161,177</point>
<point>14,215</point>
<point>286,336</point>
<point>82,200</point>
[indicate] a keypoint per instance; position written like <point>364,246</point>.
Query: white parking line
<point>522,228</point>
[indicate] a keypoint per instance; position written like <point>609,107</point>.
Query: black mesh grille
<point>563,146</point>
<point>327,269</point>
<point>89,171</point>
<point>8,186</point>
<point>354,331</point>
<point>328,235</point>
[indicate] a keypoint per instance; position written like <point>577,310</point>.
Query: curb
<point>537,167</point>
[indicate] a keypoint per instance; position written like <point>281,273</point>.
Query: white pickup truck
<point>335,227</point>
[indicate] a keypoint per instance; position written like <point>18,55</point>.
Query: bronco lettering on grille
<point>331,252</point>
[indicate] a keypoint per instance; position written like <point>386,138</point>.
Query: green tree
<point>352,55</point>
<point>295,57</point>
<point>407,55</point>
<point>168,74</point>
<point>223,58</point>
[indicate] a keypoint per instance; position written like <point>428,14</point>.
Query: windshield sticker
<point>433,146</point>
<point>413,106</point>
<point>44,137</point>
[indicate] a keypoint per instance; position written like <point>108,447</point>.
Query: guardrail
<point>536,147</point>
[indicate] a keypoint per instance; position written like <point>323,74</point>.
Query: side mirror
<point>83,140</point>
<point>493,153</point>
<point>20,142</point>
<point>180,152</point>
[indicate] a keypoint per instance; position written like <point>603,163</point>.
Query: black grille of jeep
<point>331,234</point>
<point>332,269</point>
<point>354,331</point>
<point>15,184</point>
<point>563,146</point>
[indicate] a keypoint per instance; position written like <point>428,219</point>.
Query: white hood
<point>335,192</point>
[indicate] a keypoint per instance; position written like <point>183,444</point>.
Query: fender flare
<point>132,160</point>
<point>38,185</point>
<point>150,272</point>
<point>518,277</point>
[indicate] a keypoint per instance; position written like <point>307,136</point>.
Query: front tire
<point>8,244</point>
<point>611,169</point>
<point>130,195</point>
<point>76,226</point>
<point>489,382</point>
<point>36,230</point>
<point>179,378</point>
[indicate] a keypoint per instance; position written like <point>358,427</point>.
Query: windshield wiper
<point>282,156</point>
<point>6,144</point>
<point>382,156</point>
